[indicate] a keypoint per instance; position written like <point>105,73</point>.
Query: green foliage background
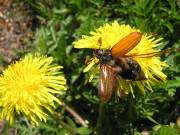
<point>60,22</point>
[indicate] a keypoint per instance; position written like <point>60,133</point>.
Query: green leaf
<point>84,131</point>
<point>166,130</point>
<point>173,84</point>
<point>169,26</point>
<point>71,122</point>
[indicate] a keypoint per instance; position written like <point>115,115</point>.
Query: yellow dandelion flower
<point>27,88</point>
<point>107,36</point>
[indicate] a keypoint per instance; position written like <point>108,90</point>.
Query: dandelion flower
<point>111,34</point>
<point>27,87</point>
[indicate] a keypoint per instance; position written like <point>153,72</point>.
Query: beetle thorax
<point>103,55</point>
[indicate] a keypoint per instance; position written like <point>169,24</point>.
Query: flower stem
<point>75,115</point>
<point>101,122</point>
